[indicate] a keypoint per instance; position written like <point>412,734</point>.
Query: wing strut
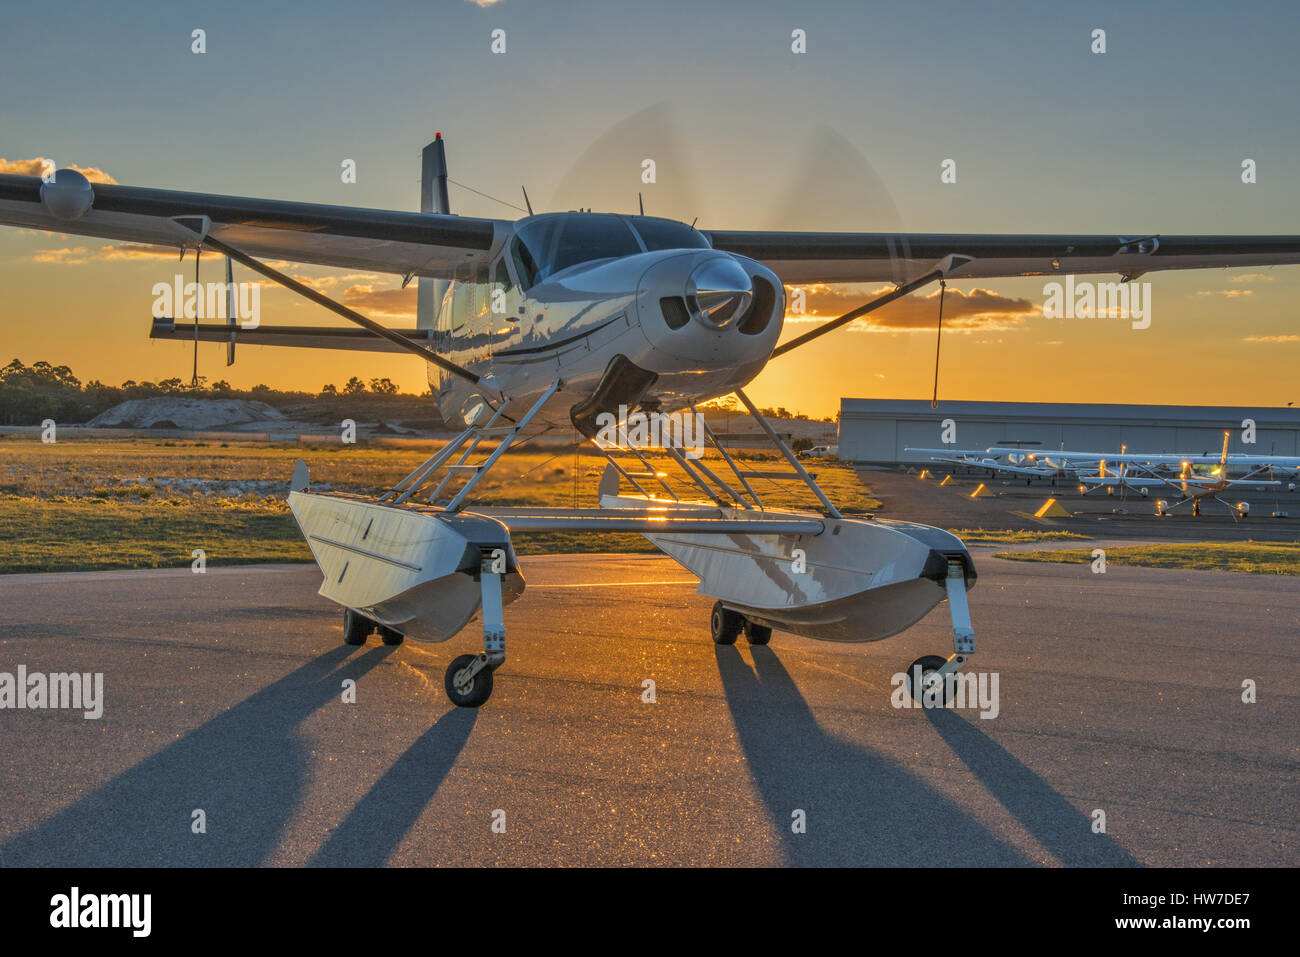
<point>862,310</point>
<point>194,378</point>
<point>938,337</point>
<point>337,307</point>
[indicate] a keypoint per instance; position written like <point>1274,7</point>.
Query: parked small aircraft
<point>1187,474</point>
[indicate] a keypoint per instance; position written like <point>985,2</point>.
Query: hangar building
<point>876,431</point>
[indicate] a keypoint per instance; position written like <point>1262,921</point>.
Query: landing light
<point>68,195</point>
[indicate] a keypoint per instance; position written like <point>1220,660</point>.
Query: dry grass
<point>1260,558</point>
<point>147,503</point>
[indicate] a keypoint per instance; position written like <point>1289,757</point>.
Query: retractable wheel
<point>472,693</point>
<point>927,664</point>
<point>390,637</point>
<point>757,634</point>
<point>356,627</point>
<point>725,625</point>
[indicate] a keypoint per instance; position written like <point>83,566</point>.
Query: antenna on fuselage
<point>526,202</point>
<point>641,203</point>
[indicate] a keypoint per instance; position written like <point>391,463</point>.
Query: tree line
<point>30,394</point>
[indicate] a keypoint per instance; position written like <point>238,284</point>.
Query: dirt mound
<point>175,412</point>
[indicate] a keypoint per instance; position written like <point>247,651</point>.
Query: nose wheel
<point>469,678</point>
<point>927,676</point>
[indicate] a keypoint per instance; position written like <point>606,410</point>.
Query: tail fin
<point>433,199</point>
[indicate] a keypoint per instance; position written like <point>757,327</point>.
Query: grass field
<point>143,503</point>
<point>1262,558</point>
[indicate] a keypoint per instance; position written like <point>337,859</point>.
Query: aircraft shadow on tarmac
<point>373,829</point>
<point>866,809</point>
<point>1056,823</point>
<point>245,768</point>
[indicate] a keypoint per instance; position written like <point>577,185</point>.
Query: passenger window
<point>460,304</point>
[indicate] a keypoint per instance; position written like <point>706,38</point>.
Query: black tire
<point>477,693</point>
<point>926,663</point>
<point>725,625</point>
<point>356,627</point>
<point>390,637</point>
<point>757,634</point>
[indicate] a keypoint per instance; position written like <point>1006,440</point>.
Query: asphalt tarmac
<point>1011,503</point>
<point>223,693</point>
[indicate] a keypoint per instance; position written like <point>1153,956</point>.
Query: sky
<point>1047,136</point>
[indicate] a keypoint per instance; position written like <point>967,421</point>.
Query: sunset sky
<point>1047,137</point>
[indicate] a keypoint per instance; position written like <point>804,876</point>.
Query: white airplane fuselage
<point>575,324</point>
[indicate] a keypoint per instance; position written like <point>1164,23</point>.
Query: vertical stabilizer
<point>433,199</point>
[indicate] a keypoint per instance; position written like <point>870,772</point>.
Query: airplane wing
<point>421,244</point>
<point>1118,458</point>
<point>882,257</point>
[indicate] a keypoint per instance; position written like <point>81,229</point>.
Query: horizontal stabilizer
<point>303,337</point>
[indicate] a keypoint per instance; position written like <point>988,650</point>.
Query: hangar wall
<point>876,431</point>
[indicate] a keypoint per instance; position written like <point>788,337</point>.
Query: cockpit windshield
<point>667,234</point>
<point>548,244</point>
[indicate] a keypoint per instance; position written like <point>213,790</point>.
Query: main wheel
<point>927,664</point>
<point>390,637</point>
<point>478,691</point>
<point>757,634</point>
<point>356,627</point>
<point>725,625</point>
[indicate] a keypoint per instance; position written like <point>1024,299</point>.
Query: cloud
<point>1227,293</point>
<point>483,3</point>
<point>1253,277</point>
<point>65,256</point>
<point>971,311</point>
<point>388,303</point>
<point>136,251</point>
<point>320,283</point>
<point>40,164</point>
<point>1288,338</point>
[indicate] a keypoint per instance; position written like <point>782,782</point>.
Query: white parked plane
<point>1017,462</point>
<point>554,322</point>
<point>1143,471</point>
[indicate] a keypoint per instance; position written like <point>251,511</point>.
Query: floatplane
<point>558,321</point>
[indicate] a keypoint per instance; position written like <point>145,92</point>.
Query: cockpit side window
<point>501,276</point>
<point>525,264</point>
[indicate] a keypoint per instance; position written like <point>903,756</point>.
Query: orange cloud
<point>40,165</point>
<point>962,311</point>
<point>135,251</point>
<point>64,257</point>
<point>389,303</point>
